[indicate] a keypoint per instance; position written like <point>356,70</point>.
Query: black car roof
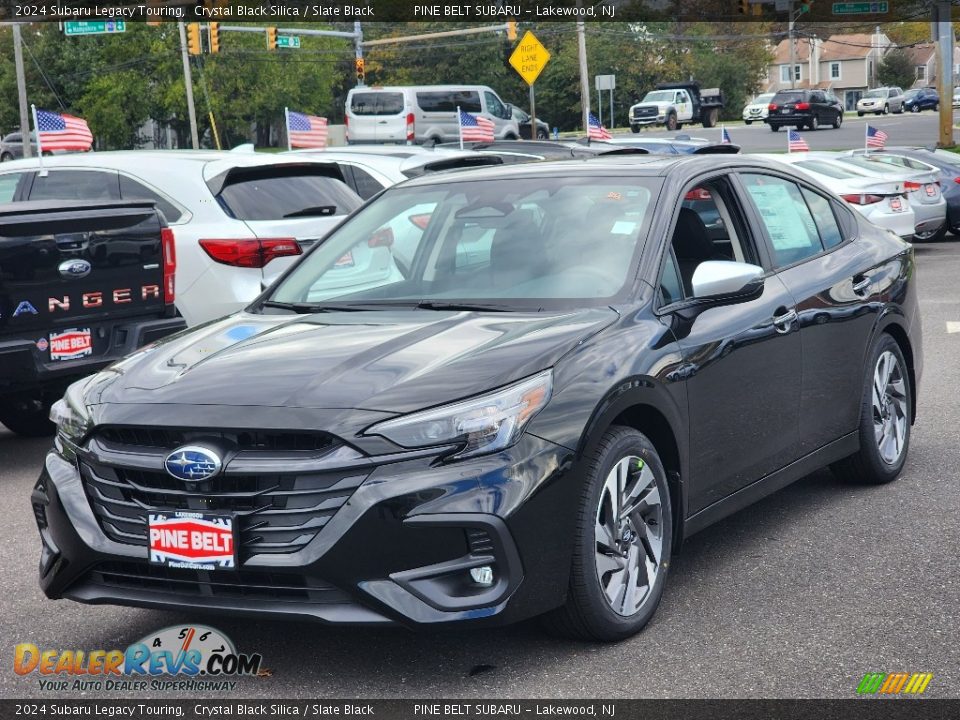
<point>604,165</point>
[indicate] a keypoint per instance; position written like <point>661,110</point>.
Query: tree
<point>896,69</point>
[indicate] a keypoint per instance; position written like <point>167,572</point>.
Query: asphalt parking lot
<point>797,596</point>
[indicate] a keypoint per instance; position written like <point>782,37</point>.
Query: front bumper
<point>398,550</point>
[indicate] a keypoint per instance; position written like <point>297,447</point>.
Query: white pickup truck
<point>675,104</point>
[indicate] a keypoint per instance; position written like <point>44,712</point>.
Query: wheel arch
<point>895,330</point>
<point>646,406</point>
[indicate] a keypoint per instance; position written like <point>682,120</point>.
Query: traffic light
<point>193,38</point>
<point>271,38</point>
<point>805,7</point>
<point>361,71</point>
<point>214,37</point>
<point>511,30</point>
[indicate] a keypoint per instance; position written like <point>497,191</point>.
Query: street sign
<point>97,27</point>
<point>288,41</point>
<point>606,82</point>
<point>860,8</point>
<point>529,58</point>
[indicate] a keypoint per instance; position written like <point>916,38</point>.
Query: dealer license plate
<point>195,541</point>
<point>71,344</point>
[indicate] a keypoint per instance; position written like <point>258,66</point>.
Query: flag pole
<point>286,119</point>
<point>866,135</point>
<point>460,126</point>
<point>788,141</point>
<point>36,129</point>
<point>723,132</point>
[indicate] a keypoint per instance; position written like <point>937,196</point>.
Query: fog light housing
<point>482,575</point>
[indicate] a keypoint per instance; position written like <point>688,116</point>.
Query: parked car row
<point>819,107</point>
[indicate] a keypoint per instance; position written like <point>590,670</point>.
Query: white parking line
<point>953,327</point>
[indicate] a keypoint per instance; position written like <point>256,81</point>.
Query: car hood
<point>390,361</point>
<point>650,103</point>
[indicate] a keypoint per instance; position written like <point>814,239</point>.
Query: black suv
<point>804,109</point>
<point>492,394</point>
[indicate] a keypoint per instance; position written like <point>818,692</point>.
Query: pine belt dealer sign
<point>529,58</point>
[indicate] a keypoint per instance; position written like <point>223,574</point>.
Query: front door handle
<point>784,320</point>
<point>861,283</point>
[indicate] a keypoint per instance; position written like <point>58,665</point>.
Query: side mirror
<point>722,280</point>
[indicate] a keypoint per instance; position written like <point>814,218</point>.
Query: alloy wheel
<point>889,407</point>
<point>629,535</point>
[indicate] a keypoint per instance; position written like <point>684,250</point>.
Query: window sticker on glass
<point>785,222</point>
<point>623,227</point>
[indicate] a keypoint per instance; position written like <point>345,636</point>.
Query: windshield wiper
<point>309,308</point>
<point>315,210</point>
<point>462,306</point>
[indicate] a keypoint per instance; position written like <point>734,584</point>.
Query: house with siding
<point>844,64</point>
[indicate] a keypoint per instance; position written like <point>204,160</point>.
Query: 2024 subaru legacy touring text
<point>490,395</point>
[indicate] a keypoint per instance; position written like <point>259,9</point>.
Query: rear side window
<point>76,185</point>
<point>275,197</point>
<point>367,186</point>
<point>822,210</point>
<point>788,97</point>
<point>130,189</point>
<point>376,103</point>
<point>790,225</point>
<point>449,101</point>
<point>8,186</point>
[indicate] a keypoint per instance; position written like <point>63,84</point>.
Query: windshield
<point>876,94</point>
<point>911,93</point>
<point>660,96</point>
<point>514,243</point>
<point>763,99</point>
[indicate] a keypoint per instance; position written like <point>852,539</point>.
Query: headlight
<point>70,416</point>
<point>483,424</point>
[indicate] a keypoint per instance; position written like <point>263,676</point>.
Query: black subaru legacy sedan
<point>493,394</point>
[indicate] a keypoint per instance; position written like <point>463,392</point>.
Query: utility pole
<point>358,42</point>
<point>945,72</point>
<point>584,76</point>
<point>22,93</point>
<point>793,47</point>
<point>188,83</point>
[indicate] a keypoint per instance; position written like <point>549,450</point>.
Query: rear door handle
<point>861,284</point>
<point>784,319</point>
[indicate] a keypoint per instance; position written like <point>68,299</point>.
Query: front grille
<point>644,112</point>
<point>259,440</point>
<point>275,512</point>
<point>216,584</point>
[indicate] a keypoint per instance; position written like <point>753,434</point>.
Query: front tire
<point>635,128</point>
<point>886,109</point>
<point>622,540</point>
<point>672,121</point>
<point>748,122</point>
<point>838,121</point>
<point>915,108</point>
<point>885,418</point>
<point>774,128</point>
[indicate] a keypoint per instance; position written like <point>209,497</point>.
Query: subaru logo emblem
<point>192,463</point>
<point>74,268</point>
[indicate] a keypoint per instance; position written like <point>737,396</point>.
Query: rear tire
<point>859,113</point>
<point>27,418</point>
<point>774,128</point>
<point>885,417</point>
<point>6,157</point>
<point>814,123</point>
<point>935,236</point>
<point>620,559</point>
<point>838,121</point>
<point>886,109</point>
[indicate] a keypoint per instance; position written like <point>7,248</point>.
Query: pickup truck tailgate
<point>80,282</point>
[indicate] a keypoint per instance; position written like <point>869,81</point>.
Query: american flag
<point>875,138</point>
<point>475,128</point>
<point>795,143</point>
<point>62,132</point>
<point>596,131</point>
<point>725,137</point>
<point>306,131</point>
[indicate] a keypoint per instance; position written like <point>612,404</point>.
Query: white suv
<point>239,219</point>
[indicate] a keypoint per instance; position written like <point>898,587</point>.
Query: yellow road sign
<point>529,58</point>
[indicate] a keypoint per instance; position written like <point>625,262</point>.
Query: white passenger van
<point>422,114</point>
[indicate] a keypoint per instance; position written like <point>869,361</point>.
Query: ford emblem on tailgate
<point>192,463</point>
<point>74,268</point>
